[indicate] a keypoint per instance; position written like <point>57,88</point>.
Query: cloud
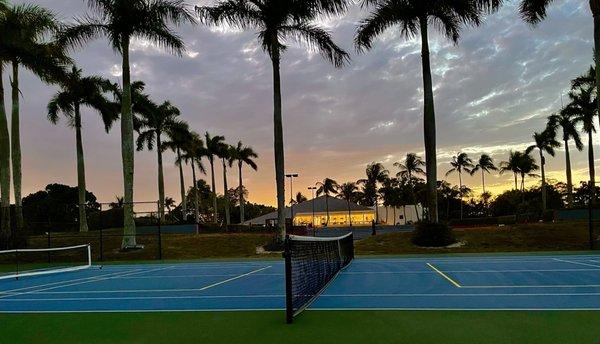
<point>492,90</point>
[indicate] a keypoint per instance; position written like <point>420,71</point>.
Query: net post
<point>89,252</point>
<point>590,215</point>
<point>101,246</point>
<point>49,245</point>
<point>17,263</point>
<point>289,308</point>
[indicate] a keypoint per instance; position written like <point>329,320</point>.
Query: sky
<point>492,91</point>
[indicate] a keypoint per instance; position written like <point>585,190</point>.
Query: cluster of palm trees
<point>32,37</point>
<point>277,23</point>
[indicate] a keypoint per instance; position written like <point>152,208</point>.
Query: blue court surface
<point>563,282</point>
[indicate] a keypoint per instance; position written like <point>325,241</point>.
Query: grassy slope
<point>566,236</point>
<point>310,327</point>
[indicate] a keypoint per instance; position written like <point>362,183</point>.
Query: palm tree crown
<point>485,163</point>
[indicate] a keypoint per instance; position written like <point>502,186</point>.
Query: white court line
<point>281,296</point>
<point>233,278</point>
<point>456,284</point>
<point>61,282</point>
<point>461,271</point>
<point>99,278</point>
<point>578,263</point>
<point>44,291</point>
<point>189,276</point>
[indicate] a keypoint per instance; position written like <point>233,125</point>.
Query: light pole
<point>312,189</point>
<point>292,176</point>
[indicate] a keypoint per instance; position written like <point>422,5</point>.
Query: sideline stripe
<point>444,275</point>
<point>578,263</point>
<point>99,278</point>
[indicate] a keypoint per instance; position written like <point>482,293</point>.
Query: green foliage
<point>526,202</point>
<point>56,205</point>
<point>432,235</point>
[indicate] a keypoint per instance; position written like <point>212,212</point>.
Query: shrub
<point>432,235</point>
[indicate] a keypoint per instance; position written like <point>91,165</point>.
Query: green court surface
<point>311,327</point>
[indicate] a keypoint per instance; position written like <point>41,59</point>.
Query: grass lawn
<point>310,327</point>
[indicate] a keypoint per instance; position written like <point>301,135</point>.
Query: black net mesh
<point>311,263</point>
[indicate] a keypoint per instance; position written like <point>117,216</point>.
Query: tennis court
<point>562,282</point>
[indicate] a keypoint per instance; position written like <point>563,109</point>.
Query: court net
<point>310,265</point>
<point>30,262</point>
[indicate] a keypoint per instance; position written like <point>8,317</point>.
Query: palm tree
<point>414,17</point>
<point>118,204</point>
<point>25,31</point>
<point>327,187</point>
<point>153,123</point>
<point>169,204</point>
<point>584,110</point>
<point>566,121</point>
<point>215,147</point>
<point>347,192</point>
<point>78,91</point>
<point>411,167</point>
<point>120,21</point>
<point>299,198</point>
<point>544,142</point>
<point>243,155</point>
<point>225,155</point>
<point>460,163</point>
<point>376,173</point>
<point>512,165</point>
<point>179,136</point>
<point>276,22</point>
<point>192,154</point>
<point>485,163</point>
<point>526,167</point>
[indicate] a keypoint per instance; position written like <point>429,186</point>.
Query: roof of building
<point>321,203</point>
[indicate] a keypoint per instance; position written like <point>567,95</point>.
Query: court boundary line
<point>266,296</point>
<point>311,310</point>
<point>455,283</point>
<point>234,278</point>
<point>578,263</point>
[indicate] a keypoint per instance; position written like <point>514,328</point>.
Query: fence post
<point>49,245</point>
<point>101,246</point>
<point>159,236</point>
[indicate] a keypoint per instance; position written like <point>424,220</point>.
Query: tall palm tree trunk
<point>516,183</point>
<point>161,179</point>
<point>429,124</point>
<point>569,176</point>
<point>349,213</point>
<point>543,162</point>
<point>196,200</point>
<point>15,136</point>
<point>4,170</point>
<point>460,189</point>
<point>182,187</point>
<point>214,189</point>
<point>81,188</point>
<point>414,196</point>
<point>127,152</point>
<point>241,193</point>
<point>278,136</point>
<point>327,208</point>
<point>591,160</point>
<point>225,188</point>
<point>483,180</point>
